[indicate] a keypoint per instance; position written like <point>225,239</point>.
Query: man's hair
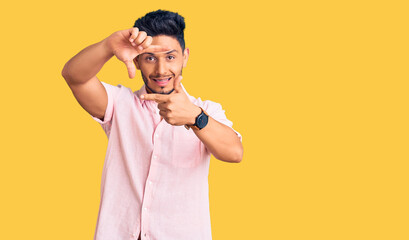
<point>163,22</point>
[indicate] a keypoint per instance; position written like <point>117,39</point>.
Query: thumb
<point>131,68</point>
<point>176,84</point>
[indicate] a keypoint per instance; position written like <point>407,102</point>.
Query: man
<point>154,182</point>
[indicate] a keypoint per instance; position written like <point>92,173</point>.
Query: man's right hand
<point>128,44</point>
<point>80,71</point>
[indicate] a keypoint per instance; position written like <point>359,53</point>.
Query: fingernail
<point>142,96</point>
<point>140,48</point>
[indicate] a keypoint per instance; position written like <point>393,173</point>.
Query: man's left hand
<point>175,108</point>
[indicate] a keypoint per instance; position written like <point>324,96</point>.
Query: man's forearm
<point>221,141</point>
<point>87,63</point>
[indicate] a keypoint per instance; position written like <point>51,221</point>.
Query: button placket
<point>156,144</point>
<point>149,187</point>
<point>145,217</point>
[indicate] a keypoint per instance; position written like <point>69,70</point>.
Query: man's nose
<point>161,68</point>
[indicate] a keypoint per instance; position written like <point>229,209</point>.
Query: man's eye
<point>171,57</point>
<point>150,59</point>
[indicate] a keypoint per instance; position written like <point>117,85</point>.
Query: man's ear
<point>185,56</point>
<point>135,60</point>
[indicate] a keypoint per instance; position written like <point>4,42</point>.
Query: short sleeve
<point>216,111</point>
<point>112,92</point>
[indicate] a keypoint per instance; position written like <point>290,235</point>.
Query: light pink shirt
<point>155,176</point>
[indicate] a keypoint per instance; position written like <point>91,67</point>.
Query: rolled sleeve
<point>216,111</point>
<point>112,92</point>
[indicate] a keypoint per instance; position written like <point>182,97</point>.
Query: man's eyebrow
<point>171,51</point>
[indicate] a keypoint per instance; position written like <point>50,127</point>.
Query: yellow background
<point>318,89</point>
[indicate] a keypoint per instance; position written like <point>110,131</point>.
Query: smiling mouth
<point>162,80</point>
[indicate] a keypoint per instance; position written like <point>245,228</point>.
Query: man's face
<point>159,70</point>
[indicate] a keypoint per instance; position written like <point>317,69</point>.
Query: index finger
<point>159,98</point>
<point>155,49</point>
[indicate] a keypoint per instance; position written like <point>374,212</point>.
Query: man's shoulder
<point>208,105</point>
<point>118,88</point>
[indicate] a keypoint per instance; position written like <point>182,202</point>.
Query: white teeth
<point>162,80</point>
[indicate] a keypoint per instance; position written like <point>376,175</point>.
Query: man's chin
<point>159,90</point>
<point>166,92</point>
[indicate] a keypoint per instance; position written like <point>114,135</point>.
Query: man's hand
<point>129,43</point>
<point>175,108</point>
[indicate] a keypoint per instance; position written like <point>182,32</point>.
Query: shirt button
<point>154,156</point>
<point>145,208</point>
<point>150,182</point>
<point>157,135</point>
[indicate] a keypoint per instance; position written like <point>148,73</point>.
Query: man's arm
<point>80,75</point>
<point>221,141</point>
<point>80,71</point>
<point>218,138</point>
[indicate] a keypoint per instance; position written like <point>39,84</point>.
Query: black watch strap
<point>200,122</point>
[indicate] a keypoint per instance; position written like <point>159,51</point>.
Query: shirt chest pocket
<point>186,148</point>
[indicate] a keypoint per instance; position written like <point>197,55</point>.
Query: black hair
<point>163,22</point>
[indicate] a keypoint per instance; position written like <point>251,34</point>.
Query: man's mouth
<point>162,81</point>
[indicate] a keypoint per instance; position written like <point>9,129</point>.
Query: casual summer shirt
<point>155,175</point>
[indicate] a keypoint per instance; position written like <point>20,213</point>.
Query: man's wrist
<point>107,48</point>
<point>195,113</point>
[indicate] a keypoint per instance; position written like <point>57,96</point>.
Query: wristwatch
<point>201,121</point>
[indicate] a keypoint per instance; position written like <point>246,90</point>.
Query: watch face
<point>202,120</point>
